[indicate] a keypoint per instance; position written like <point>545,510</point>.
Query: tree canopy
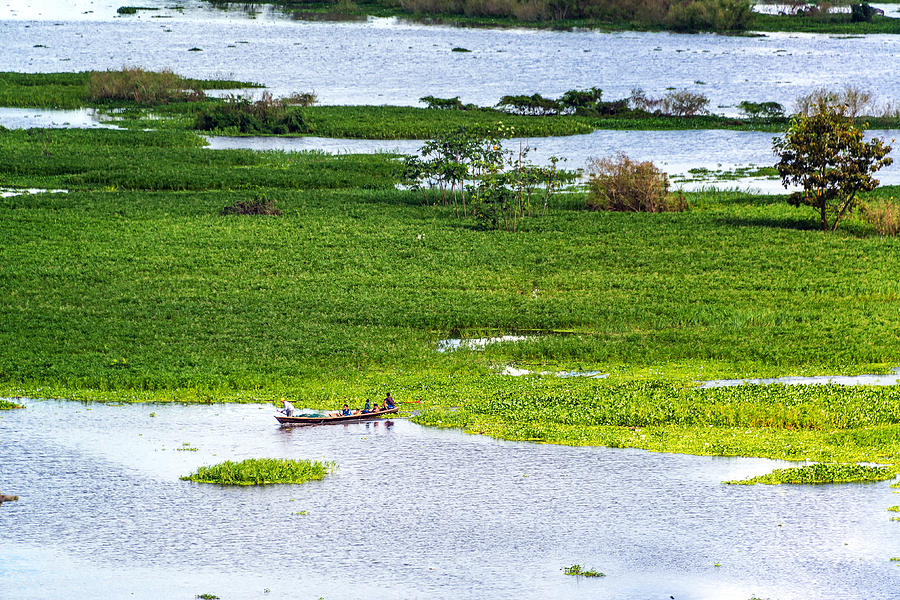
<point>826,155</point>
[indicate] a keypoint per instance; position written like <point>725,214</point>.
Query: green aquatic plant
<point>142,86</point>
<point>7,405</point>
<point>237,114</point>
<point>577,571</point>
<point>821,473</point>
<point>262,471</point>
<point>894,509</point>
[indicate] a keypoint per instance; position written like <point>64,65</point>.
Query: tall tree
<point>825,154</point>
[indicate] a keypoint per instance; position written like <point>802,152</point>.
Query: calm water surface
<point>436,514</point>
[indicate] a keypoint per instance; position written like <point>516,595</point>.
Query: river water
<point>409,513</point>
<point>386,61</point>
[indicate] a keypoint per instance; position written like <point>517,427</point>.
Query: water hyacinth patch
<point>577,571</point>
<point>7,405</point>
<point>262,471</point>
<point>821,473</point>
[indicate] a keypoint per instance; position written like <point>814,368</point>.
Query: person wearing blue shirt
<point>346,410</point>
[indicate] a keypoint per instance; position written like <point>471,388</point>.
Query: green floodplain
<point>133,286</point>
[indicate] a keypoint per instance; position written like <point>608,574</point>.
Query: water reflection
<point>102,513</point>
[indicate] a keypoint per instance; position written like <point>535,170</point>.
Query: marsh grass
<point>142,86</point>
<point>883,215</point>
<point>261,471</point>
<point>821,473</point>
<point>113,88</point>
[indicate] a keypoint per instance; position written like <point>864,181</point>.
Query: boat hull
<point>284,420</point>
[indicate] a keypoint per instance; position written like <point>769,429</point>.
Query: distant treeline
<point>678,15</point>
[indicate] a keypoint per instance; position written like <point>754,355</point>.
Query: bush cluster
<point>266,115</point>
<point>621,184</point>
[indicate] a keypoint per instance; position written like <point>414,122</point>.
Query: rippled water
<point>410,513</point>
<point>25,118</point>
<point>386,61</point>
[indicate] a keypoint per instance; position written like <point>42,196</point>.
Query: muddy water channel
<point>410,513</point>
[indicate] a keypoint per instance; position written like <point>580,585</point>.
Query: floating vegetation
<point>207,597</point>
<point>894,509</point>
<point>577,571</point>
<point>7,405</point>
<point>460,49</point>
<point>130,10</point>
<point>237,114</point>
<point>821,473</point>
<point>262,471</point>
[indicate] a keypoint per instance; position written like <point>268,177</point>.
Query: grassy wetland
<point>135,286</point>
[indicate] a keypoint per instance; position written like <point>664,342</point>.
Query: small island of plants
<point>262,471</point>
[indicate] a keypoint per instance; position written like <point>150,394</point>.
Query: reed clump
<point>262,471</point>
<point>883,215</point>
<point>143,87</point>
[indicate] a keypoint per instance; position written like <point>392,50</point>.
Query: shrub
<point>826,155</point>
<point>144,87</point>
<point>446,103</point>
<point>266,115</point>
<point>710,15</point>
<point>260,205</point>
<point>529,105</point>
<point>850,101</point>
<point>622,184</point>
<point>883,215</point>
<point>676,103</point>
<point>860,13</point>
<point>762,111</point>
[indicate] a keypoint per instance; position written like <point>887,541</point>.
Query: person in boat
<point>288,409</point>
<point>346,411</point>
<point>375,409</point>
<point>367,409</point>
<point>389,402</point>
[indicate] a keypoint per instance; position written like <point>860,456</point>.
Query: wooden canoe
<point>337,418</point>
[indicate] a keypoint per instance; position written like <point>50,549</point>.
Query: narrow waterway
<point>410,513</point>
